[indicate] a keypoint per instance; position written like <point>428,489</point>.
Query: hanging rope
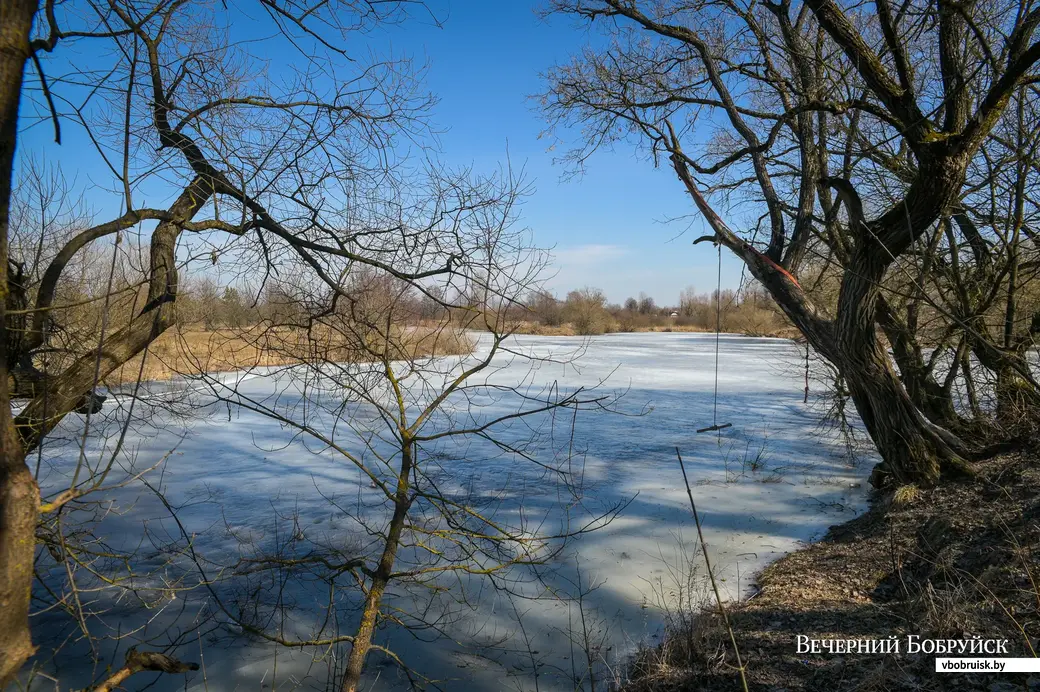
<point>718,330</point>
<point>805,400</point>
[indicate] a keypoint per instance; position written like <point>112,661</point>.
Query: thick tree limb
<point>778,280</point>
<point>62,394</point>
<point>897,99</point>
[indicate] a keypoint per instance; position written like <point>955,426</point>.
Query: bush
<point>584,308</point>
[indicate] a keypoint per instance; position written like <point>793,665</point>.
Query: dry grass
<point>905,495</point>
<point>189,350</point>
<point>538,329</point>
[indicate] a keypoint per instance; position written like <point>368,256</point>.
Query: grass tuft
<point>905,495</point>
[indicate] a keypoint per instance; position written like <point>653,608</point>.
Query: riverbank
<point>568,329</point>
<point>190,350</point>
<point>953,562</point>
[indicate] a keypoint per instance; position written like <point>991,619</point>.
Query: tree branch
<point>144,661</point>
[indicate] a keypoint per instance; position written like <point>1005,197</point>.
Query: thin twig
<point>711,573</point>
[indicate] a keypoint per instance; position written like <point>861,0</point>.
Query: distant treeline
<point>210,306</point>
<point>586,312</point>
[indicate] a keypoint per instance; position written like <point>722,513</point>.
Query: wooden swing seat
<point>713,428</point>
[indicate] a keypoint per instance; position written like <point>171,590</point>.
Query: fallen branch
<point>138,662</point>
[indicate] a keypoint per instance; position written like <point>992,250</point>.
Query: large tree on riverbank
<point>790,111</point>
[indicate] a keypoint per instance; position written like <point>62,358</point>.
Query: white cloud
<point>592,264</point>
<point>585,255</point>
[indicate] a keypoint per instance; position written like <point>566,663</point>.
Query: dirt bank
<point>948,563</point>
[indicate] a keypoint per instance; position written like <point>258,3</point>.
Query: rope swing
<point>718,329</point>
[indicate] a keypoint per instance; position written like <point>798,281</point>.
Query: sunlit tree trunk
<point>19,495</point>
<point>373,599</point>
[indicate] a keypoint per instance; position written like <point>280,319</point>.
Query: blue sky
<point>609,227</point>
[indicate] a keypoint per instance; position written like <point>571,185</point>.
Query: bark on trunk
<point>370,614</point>
<point>19,500</point>
<point>363,638</point>
<point>19,496</point>
<point>913,451</point>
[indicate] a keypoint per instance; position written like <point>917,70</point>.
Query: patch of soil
<point>952,562</point>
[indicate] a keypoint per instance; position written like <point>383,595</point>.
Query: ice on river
<point>763,486</point>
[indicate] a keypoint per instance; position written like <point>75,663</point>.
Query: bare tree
<point>688,301</point>
<point>647,306</point>
<point>545,308</point>
<point>298,172</point>
<point>402,418</point>
<point>808,105</point>
<point>19,496</point>
<point>585,309</point>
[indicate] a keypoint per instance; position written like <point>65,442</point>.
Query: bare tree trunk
<point>912,449</point>
<point>934,400</point>
<point>19,495</point>
<point>1014,391</point>
<point>373,600</point>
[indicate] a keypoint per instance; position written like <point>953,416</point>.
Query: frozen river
<point>763,486</point>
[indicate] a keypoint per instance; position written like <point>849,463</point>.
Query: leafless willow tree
<point>841,135</point>
<point>210,154</point>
